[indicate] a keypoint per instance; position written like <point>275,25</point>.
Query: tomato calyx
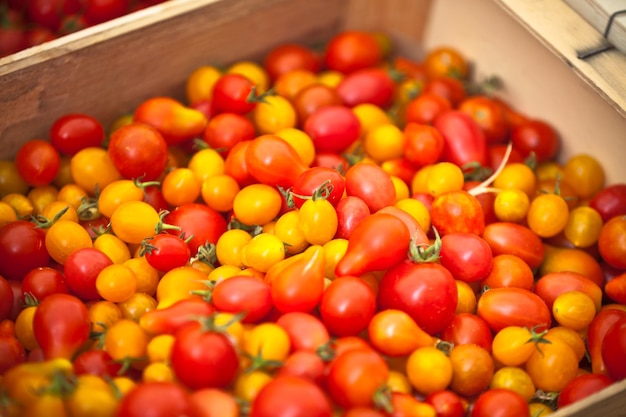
<point>162,226</point>
<point>327,351</point>
<point>30,300</point>
<point>254,97</point>
<point>206,254</point>
<point>538,338</point>
<point>474,171</point>
<point>259,363</point>
<point>143,185</point>
<point>254,229</point>
<point>425,253</point>
<point>548,398</point>
<point>127,362</point>
<point>98,336</point>
<point>444,346</point>
<point>61,385</point>
<point>382,399</point>
<point>320,193</point>
<point>488,86</point>
<point>42,222</point>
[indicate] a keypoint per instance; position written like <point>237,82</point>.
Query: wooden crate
<point>108,69</point>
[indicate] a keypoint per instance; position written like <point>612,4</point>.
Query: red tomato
<point>610,201</point>
<point>372,185</point>
<point>581,387</point>
<point>351,211</point>
<point>347,306</point>
<point>304,364</point>
<point>379,242</point>
<point>138,151</point>
<point>73,132</point>
<point>425,291</point>
<point>464,141</point>
<point>538,137</point>
<point>332,128</point>
<point>156,399</point>
<point>425,108</point>
<point>13,37</point>
<point>496,155</point>
<point>355,376</point>
<point>6,299</point>
<point>331,160</point>
<point>243,294</point>
<point>467,256</point>
<point>235,164</point>
<point>423,144</point>
<point>203,358</point>
<point>98,11</point>
<point>61,325</point>
<point>313,97</point>
<point>500,402</point>
<point>231,94</point>
<point>24,245</point>
<point>314,178</point>
<point>37,162</point>
<point>596,333</point>
<point>367,85</point>
<point>81,270</point>
<point>352,50</point>
<point>12,352</point>
<point>199,224</point>
<point>225,130</point>
<point>489,115</point>
<point>272,161</point>
<point>165,252</point>
<point>448,87</point>
<point>96,362</point>
<point>612,242</point>
<point>515,239</point>
<point>446,403</point>
<point>614,350</point>
<point>467,328</point>
<point>42,282</point>
<point>503,307</point>
<point>289,57</point>
<point>291,396</point>
<point>48,13</point>
<point>306,331</point>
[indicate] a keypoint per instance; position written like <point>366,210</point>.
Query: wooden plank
<point>562,30</point>
<point>610,402</point>
<point>108,69</point>
<point>598,13</point>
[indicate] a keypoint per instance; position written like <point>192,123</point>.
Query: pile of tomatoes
<point>26,23</point>
<point>338,232</point>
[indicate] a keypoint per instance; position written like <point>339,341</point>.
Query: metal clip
<point>605,46</point>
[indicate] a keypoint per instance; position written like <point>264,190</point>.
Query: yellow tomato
<point>384,142</point>
<point>206,163</point>
<point>72,194</point>
<point>263,251</point>
<point>65,237</point>
<point>42,196</point>
<point>330,78</point>
<point>273,114</point>
<point>137,305</point>
<point>517,175</point>
<point>230,245</point>
<point>300,141</point>
<point>248,384</point>
<point>467,298</point>
<point>10,180</point>
<point>178,283</point>
<point>199,84</point>
<point>444,177</point>
<point>318,220</point>
<point>20,204</point>
<point>334,250</point>
<point>417,210</point>
<point>134,221</point>
<point>288,230</point>
<point>514,378</point>
<point>112,246</point>
<point>61,209</point>
<point>219,191</point>
<point>147,276</point>
<point>267,341</point>
<point>257,204</point>
<point>401,187</point>
<point>511,205</point>
<point>584,174</point>
<point>370,116</point>
<point>102,315</point>
<point>24,328</point>
<point>180,186</point>
<point>7,213</point>
<point>92,168</point>
<point>429,370</point>
<point>253,71</point>
<point>158,372</point>
<point>92,397</point>
<point>116,283</point>
<point>574,309</point>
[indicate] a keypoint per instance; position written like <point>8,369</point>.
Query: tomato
<point>75,131</point>
<point>198,223</point>
<point>584,174</point>
<point>370,183</point>
<point>257,204</point>
<point>61,325</point>
<point>547,215</point>
<point>581,387</point>
<point>446,403</point>
<point>429,370</point>
<point>472,369</point>
<point>332,128</point>
<point>514,378</point>
<point>291,396</point>
<point>96,362</point>
<point>467,328</point>
<point>502,402</point>
<point>457,212</point>
<point>273,114</point>
<point>509,271</point>
<point>573,309</point>
<point>427,292</point>
<point>467,256</point>
<point>24,244</point>
<point>489,115</point>
<point>42,282</point>
<point>596,333</point>
<point>98,11</point>
<point>213,402</point>
<point>37,162</point>
<point>288,57</point>
<point>370,250</point>
<point>613,350</point>
<point>515,239</point>
<point>347,306</point>
<point>445,61</point>
<point>395,333</point>
<point>243,294</point>
<point>13,352</point>
<point>610,201</point>
<point>502,307</point>
<point>537,137</point>
<point>612,242</point>
<point>367,85</point>
<point>552,367</point>
<point>306,331</point>
<point>352,50</point>
<point>312,97</point>
<point>298,281</point>
<point>138,150</point>
<point>314,178</point>
<point>355,376</point>
<point>423,144</point>
<point>159,399</point>
<point>231,94</point>
<point>464,141</point>
<point>351,211</point>
<point>551,285</point>
<point>165,252</point>
<point>225,130</point>
<point>81,269</point>
<point>272,161</point>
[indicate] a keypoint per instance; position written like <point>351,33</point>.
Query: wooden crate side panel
<point>110,70</point>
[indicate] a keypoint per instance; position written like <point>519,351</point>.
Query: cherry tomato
<point>552,367</point>
<point>199,224</point>
<point>537,137</point>
<point>351,50</point>
<point>138,150</point>
<point>347,306</point>
<point>446,403</point>
<point>612,242</point>
<point>37,162</point>
<point>581,387</point>
<point>515,239</point>
<point>429,370</point>
<point>289,57</point>
<point>464,141</point>
<point>613,350</point>
<point>610,201</point>
<point>43,281</point>
<point>159,399</point>
<point>22,242</point>
<point>501,401</point>
<point>72,132</point>
<point>290,396</point>
<point>371,184</point>
<point>306,331</point>
<point>467,256</point>
<point>243,294</point>
<point>472,369</point>
<point>509,271</point>
<point>502,307</point>
<point>468,328</point>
